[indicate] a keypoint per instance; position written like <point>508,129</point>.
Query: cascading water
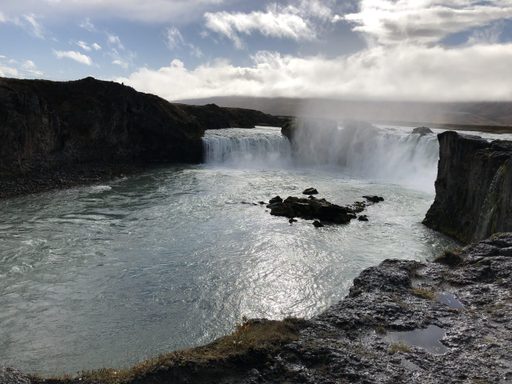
<point>356,150</point>
<point>253,148</point>
<point>363,150</point>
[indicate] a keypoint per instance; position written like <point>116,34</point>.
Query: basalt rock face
<point>75,126</point>
<point>473,188</point>
<point>46,124</point>
<point>212,116</point>
<point>402,322</point>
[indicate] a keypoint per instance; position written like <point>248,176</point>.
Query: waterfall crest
<point>257,147</point>
<point>355,149</point>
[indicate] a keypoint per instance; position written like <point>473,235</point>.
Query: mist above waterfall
<point>354,149</point>
<point>363,150</point>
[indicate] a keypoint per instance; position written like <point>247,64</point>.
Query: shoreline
<point>379,331</point>
<point>64,178</point>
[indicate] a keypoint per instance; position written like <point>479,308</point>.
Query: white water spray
<point>356,149</point>
<point>247,148</point>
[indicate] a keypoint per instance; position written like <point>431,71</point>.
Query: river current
<point>108,275</point>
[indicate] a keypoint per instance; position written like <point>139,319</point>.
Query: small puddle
<point>428,339</point>
<point>450,300</point>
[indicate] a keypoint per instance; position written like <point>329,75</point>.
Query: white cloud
<point>29,22</point>
<point>145,11</point>
<point>34,25</point>
<point>74,55</point>
<point>175,41</point>
<point>424,21</point>
<point>174,38</point>
<point>6,71</point>
<point>280,23</point>
<point>121,63</point>
<point>114,40</point>
<point>88,47</point>
<point>296,20</point>
<point>123,59</point>
<point>84,46</point>
<point>476,72</point>
<point>88,25</point>
<point>12,68</point>
<point>31,69</point>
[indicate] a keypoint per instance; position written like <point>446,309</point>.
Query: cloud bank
<point>425,21</point>
<point>405,58</point>
<point>416,73</point>
<point>136,10</point>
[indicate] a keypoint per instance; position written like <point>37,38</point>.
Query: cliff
<point>473,188</point>
<point>447,321</point>
<point>74,127</point>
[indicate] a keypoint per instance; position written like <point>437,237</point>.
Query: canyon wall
<point>473,188</point>
<point>47,126</point>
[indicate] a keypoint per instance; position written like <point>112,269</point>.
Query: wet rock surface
<point>312,208</point>
<point>473,188</point>
<point>320,210</point>
<point>12,376</point>
<point>310,191</point>
<point>374,199</point>
<point>395,326</point>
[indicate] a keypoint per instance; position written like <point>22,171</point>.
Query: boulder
<point>422,131</point>
<point>310,209</point>
<point>310,191</point>
<point>374,199</point>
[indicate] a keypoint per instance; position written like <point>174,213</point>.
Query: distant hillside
<point>477,113</point>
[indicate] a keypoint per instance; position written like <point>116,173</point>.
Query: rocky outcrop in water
<point>473,188</point>
<point>55,133</point>
<point>422,131</point>
<point>402,322</point>
<point>320,210</point>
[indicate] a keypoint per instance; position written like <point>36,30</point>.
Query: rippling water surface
<point>108,275</point>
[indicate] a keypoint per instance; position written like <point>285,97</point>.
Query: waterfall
<point>358,150</point>
<point>363,150</point>
<point>254,148</point>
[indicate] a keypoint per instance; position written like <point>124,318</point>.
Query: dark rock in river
<point>52,133</point>
<point>310,209</point>
<point>310,191</point>
<point>317,224</point>
<point>473,187</point>
<point>422,131</point>
<point>276,199</point>
<point>374,199</point>
<point>363,218</point>
<point>402,322</point>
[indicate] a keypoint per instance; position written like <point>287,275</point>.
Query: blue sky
<point>363,49</point>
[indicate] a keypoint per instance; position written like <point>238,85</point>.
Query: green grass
<point>424,293</point>
<point>451,257</point>
<point>399,347</point>
<point>252,335</point>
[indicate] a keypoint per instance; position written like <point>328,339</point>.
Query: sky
<point>422,50</point>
